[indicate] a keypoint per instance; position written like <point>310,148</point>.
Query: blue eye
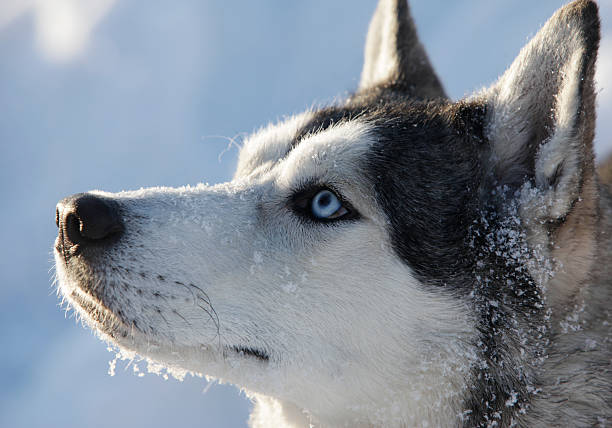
<point>326,205</point>
<point>321,204</point>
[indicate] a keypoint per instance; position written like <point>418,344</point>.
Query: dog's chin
<point>99,317</point>
<point>91,310</point>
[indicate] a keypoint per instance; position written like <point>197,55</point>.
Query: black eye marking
<point>322,204</point>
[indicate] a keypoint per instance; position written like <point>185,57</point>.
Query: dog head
<point>355,260</point>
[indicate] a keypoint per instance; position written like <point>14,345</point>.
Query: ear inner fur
<point>554,72</point>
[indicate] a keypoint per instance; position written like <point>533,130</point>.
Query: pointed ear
<point>395,57</point>
<point>541,112</point>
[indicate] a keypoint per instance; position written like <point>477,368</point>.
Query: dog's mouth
<point>111,324</point>
<point>251,352</point>
<point>105,319</point>
<point>97,313</point>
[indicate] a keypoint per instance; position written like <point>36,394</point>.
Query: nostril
<point>72,229</point>
<point>87,219</point>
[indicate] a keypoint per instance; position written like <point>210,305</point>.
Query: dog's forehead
<point>269,144</point>
<point>332,156</point>
<point>361,134</point>
<point>272,143</point>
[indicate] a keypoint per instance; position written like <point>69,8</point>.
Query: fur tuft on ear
<point>395,57</point>
<point>542,110</point>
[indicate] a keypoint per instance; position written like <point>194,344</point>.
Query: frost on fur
<point>541,120</point>
<point>460,278</point>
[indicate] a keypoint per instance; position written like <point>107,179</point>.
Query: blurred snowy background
<point>122,94</point>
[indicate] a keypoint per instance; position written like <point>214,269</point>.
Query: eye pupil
<point>325,199</point>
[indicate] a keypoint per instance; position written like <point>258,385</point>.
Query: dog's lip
<point>253,352</point>
<point>73,251</point>
<point>60,249</point>
<point>108,322</point>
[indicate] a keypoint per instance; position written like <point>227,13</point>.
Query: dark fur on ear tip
<point>395,59</point>
<point>584,14</point>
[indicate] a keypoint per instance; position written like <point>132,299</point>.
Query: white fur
<point>381,51</point>
<point>352,337</point>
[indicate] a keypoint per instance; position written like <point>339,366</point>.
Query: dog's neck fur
<point>578,365</point>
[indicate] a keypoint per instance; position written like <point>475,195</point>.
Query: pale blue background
<point>138,107</point>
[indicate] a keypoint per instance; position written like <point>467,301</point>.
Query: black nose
<point>86,220</point>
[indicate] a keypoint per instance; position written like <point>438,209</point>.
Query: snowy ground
<point>117,94</point>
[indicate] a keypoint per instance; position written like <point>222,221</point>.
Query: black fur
<point>429,173</point>
<point>413,74</point>
<point>427,155</point>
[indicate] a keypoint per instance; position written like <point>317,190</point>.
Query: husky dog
<point>397,259</point>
